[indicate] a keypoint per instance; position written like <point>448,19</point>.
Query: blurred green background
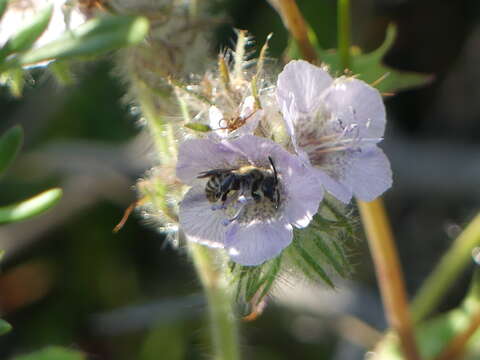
<point>68,280</point>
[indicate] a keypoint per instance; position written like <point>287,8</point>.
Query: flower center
<point>334,136</point>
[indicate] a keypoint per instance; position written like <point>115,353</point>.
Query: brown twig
<point>389,274</point>
<point>456,347</point>
<point>295,23</point>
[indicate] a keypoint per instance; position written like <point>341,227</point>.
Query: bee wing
<point>213,172</point>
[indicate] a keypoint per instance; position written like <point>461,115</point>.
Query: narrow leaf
<point>313,264</point>
<point>265,281</point>
<point>31,207</point>
<point>10,144</point>
<point>272,276</point>
<point>95,37</point>
<point>253,284</point>
<point>3,7</point>
<point>61,71</point>
<point>14,80</point>
<point>27,35</point>
<point>53,353</point>
<point>5,327</point>
<point>327,252</point>
<point>198,127</point>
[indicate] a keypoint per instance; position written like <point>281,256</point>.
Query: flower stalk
<point>296,25</point>
<point>379,233</point>
<point>344,33</point>
<point>389,274</point>
<point>222,320</point>
<point>452,264</point>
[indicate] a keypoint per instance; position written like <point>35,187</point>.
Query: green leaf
<point>14,80</point>
<point>10,144</point>
<point>3,7</point>
<point>30,207</point>
<point>5,327</point>
<point>95,37</point>
<point>434,335</point>
<point>61,71</point>
<point>169,340</point>
<point>329,254</point>
<point>312,264</point>
<point>198,127</point>
<point>28,34</point>
<point>53,353</point>
<point>253,283</point>
<point>369,67</point>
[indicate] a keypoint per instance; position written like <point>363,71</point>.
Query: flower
<point>250,227</point>
<point>335,125</point>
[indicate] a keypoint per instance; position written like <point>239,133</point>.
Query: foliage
<point>53,353</point>
<point>369,67</point>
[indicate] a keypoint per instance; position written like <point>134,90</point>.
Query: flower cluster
<point>249,188</point>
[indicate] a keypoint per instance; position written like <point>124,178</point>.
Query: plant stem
<point>343,25</point>
<point>296,25</point>
<point>452,264</point>
<point>222,320</point>
<point>379,233</point>
<point>389,274</point>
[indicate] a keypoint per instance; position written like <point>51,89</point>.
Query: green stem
<point>222,320</point>
<point>452,264</point>
<point>154,120</point>
<point>344,33</point>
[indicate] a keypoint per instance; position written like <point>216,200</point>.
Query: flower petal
<point>369,175</point>
<point>215,117</point>
<point>248,107</point>
<point>256,243</point>
<point>353,102</point>
<point>255,149</point>
<point>365,173</point>
<point>199,222</point>
<point>334,187</point>
<point>305,81</point>
<point>199,155</point>
<point>304,193</point>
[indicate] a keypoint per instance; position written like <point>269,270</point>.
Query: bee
<point>250,181</point>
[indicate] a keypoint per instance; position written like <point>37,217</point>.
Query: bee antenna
<point>273,167</point>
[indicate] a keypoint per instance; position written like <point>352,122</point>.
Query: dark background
<point>67,279</point>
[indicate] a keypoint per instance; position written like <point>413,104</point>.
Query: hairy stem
<point>296,25</point>
<point>452,264</point>
<point>389,274</point>
<point>222,320</point>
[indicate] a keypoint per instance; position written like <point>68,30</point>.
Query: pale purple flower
<point>251,231</point>
<point>335,125</point>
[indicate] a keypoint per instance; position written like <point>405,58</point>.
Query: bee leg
<point>224,196</point>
